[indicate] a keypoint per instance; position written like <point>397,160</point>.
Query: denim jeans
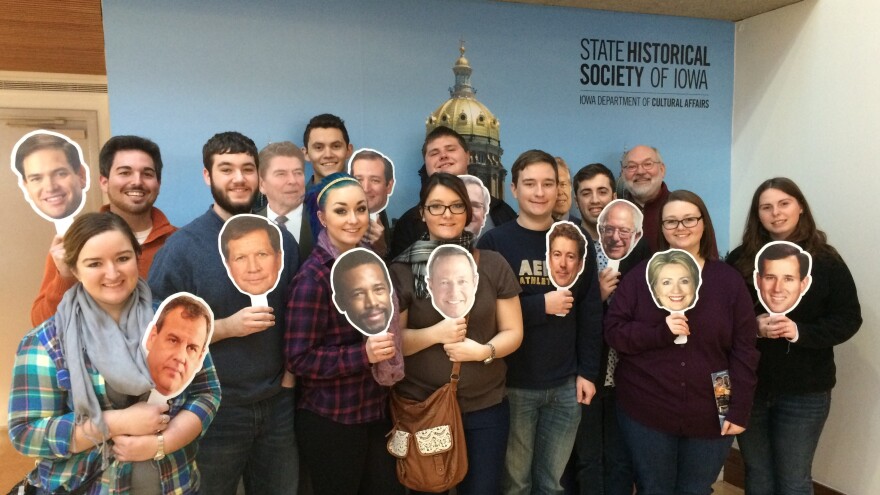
<point>601,461</point>
<point>779,445</point>
<point>485,432</point>
<point>255,441</point>
<point>543,424</point>
<point>667,464</point>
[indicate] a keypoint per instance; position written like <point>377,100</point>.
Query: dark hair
<point>452,182</point>
<point>242,225</point>
<point>590,171</point>
<point>89,225</point>
<point>123,143</point>
<point>806,234</point>
<point>374,155</point>
<point>42,141</point>
<point>228,142</point>
<point>354,258</point>
<point>708,247</point>
<point>284,148</point>
<point>569,231</point>
<point>191,310</point>
<point>780,252</point>
<point>439,132</point>
<point>531,157</point>
<point>325,121</point>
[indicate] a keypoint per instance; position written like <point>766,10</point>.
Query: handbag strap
<point>456,366</point>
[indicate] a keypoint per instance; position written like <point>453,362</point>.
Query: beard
<point>223,201</point>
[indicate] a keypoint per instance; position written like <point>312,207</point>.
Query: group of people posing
<point>562,390</point>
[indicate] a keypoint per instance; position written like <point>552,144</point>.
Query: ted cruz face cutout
<point>375,173</point>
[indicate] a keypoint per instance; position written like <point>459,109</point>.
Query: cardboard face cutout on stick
<point>53,176</point>
<point>452,280</point>
<point>253,254</point>
<point>362,290</point>
<point>480,200</point>
<point>176,343</point>
<point>375,172</point>
<point>674,279</point>
<point>566,254</point>
<point>620,229</point>
<point>782,276</point>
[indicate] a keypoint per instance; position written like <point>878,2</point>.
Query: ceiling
<point>728,10</point>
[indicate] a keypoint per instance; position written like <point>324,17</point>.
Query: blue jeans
<point>255,441</point>
<point>667,464</point>
<point>543,424</point>
<point>602,463</point>
<point>485,433</point>
<point>779,445</point>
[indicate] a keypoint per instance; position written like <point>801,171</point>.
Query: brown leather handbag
<point>428,439</point>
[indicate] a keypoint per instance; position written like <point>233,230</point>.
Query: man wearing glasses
<point>620,228</point>
<point>642,170</point>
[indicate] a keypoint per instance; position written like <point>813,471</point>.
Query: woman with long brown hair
<point>796,372</point>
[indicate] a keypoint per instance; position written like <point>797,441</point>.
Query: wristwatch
<point>160,452</point>
<point>491,357</point>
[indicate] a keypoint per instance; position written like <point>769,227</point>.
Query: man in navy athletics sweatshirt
<point>557,366</point>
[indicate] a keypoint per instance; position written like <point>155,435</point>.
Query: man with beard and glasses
<point>252,434</point>
<point>642,170</point>
<point>131,172</point>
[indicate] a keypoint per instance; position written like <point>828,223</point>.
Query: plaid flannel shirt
<point>41,421</point>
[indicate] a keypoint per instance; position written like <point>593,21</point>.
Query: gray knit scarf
<point>88,334</point>
<point>417,256</point>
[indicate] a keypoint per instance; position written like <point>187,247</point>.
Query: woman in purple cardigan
<point>666,403</point>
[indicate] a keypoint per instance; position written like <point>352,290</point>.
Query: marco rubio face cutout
<point>52,174</point>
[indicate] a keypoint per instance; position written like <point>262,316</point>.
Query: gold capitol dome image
<point>476,123</point>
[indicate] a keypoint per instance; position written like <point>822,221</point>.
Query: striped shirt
<point>41,421</point>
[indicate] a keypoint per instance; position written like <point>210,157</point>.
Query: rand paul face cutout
<point>252,252</point>
<point>375,173</point>
<point>620,228</point>
<point>176,343</point>
<point>674,279</point>
<point>52,174</point>
<point>782,276</point>
<point>362,290</point>
<point>566,254</point>
<point>452,280</point>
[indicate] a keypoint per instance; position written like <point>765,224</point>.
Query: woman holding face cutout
<point>666,402</point>
<point>89,355</point>
<point>796,371</point>
<point>431,342</point>
<point>341,417</point>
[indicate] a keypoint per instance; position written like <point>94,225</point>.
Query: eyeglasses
<point>438,210</point>
<point>688,223</point>
<point>609,231</point>
<point>648,165</point>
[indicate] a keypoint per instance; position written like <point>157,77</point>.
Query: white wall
<point>807,106</point>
